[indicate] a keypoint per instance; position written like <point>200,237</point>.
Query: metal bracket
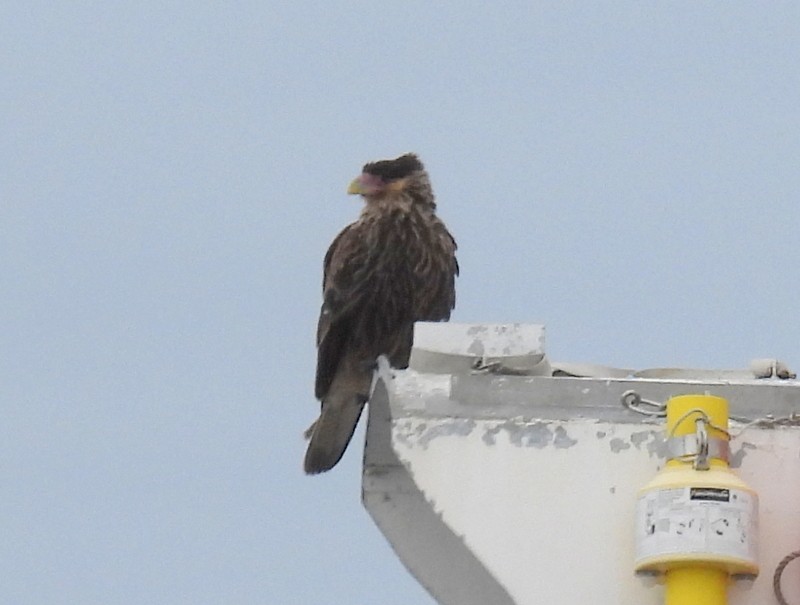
<point>692,446</point>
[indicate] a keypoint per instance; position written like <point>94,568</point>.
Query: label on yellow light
<point>718,523</point>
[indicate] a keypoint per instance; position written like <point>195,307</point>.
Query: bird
<point>395,265</point>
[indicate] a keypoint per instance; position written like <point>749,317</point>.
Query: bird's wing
<point>437,298</point>
<point>341,294</point>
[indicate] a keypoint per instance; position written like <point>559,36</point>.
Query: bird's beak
<point>356,187</point>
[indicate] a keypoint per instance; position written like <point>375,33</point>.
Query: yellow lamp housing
<point>696,521</point>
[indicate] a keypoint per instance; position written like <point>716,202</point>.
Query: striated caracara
<point>393,266</point>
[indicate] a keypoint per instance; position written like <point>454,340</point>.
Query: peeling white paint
<point>497,488</point>
<point>568,495</point>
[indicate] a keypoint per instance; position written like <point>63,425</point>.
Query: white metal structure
<point>511,485</point>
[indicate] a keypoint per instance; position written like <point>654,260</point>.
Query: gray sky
<point>171,175</point>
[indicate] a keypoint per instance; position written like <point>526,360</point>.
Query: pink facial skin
<point>370,184</point>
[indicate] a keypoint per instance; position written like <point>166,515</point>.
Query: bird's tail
<point>341,409</point>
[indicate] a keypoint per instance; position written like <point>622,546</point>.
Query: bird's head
<point>386,178</point>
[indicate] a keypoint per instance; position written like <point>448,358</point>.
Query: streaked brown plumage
<point>395,265</point>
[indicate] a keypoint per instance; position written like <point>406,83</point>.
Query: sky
<point>171,175</point>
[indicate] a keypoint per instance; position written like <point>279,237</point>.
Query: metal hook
<point>701,459</point>
<point>634,402</point>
